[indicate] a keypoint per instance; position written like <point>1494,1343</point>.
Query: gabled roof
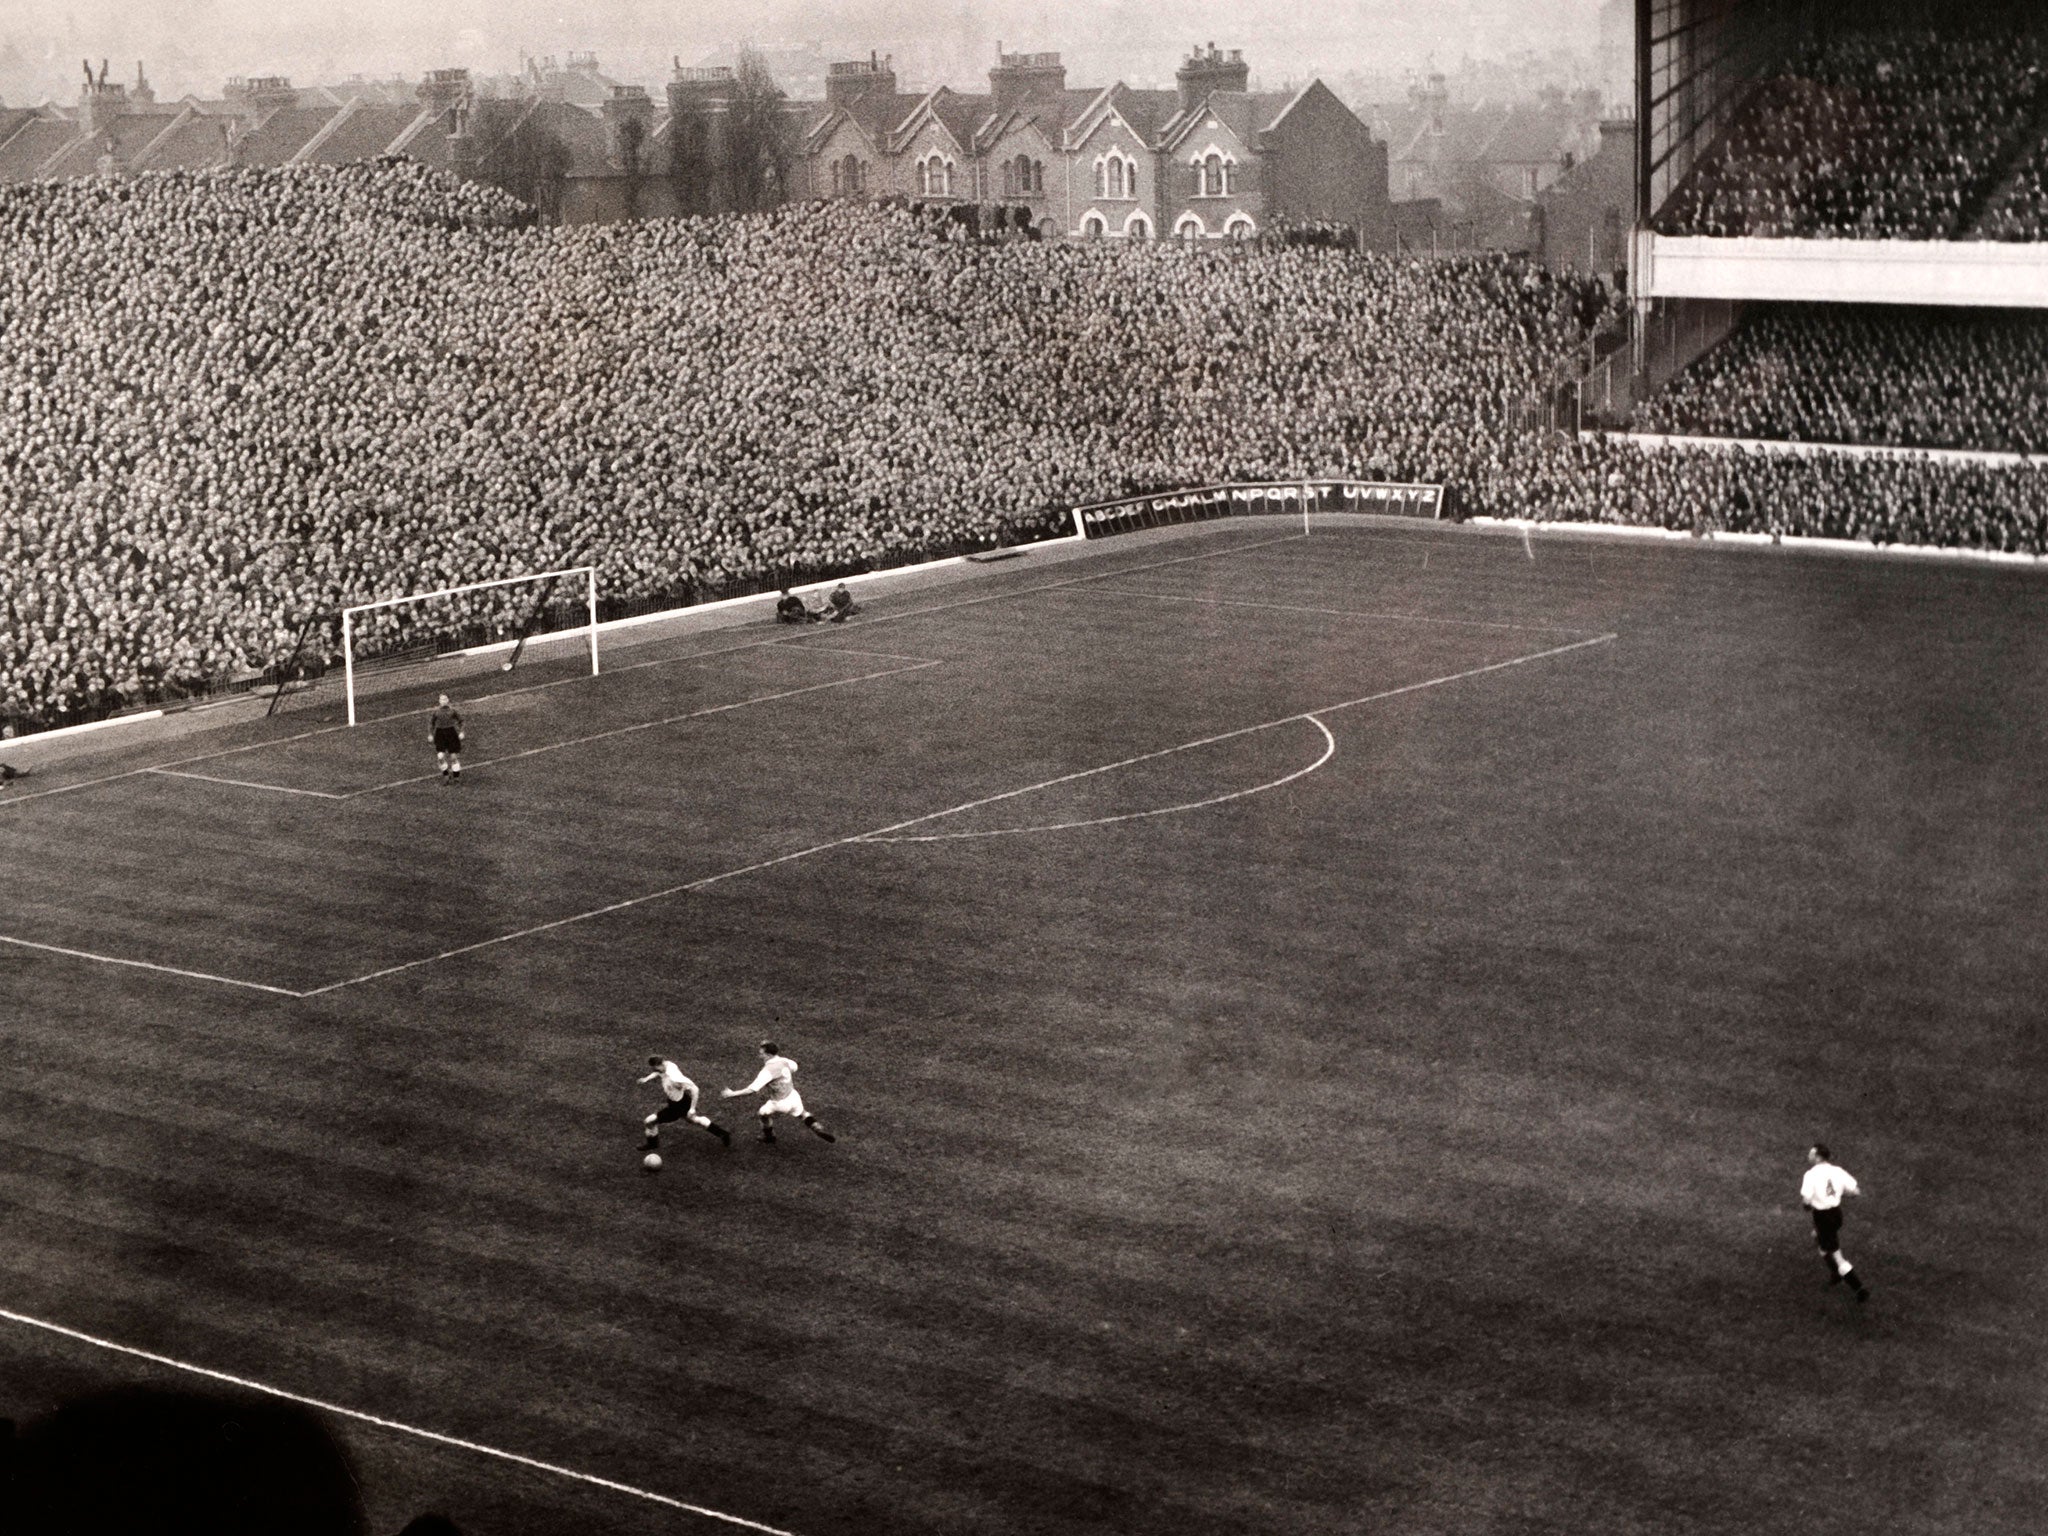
<point>127,136</point>
<point>963,115</point>
<point>881,113</point>
<point>283,134</point>
<point>33,143</point>
<point>367,132</point>
<point>1000,125</point>
<point>425,139</point>
<point>1247,114</point>
<point>196,142</point>
<point>1147,113</point>
<point>13,120</point>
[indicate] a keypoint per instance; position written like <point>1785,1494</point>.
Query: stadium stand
<point>1881,134</point>
<point>239,398</point>
<point>232,401</point>
<point>1925,378</point>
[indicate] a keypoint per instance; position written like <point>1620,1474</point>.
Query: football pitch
<point>1322,1034</point>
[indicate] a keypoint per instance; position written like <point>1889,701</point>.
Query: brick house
<point>1210,159</point>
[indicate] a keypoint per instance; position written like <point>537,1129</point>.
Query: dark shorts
<point>1827,1229</point>
<point>447,739</point>
<point>675,1109</point>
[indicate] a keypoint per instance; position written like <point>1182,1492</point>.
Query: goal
<point>432,621</point>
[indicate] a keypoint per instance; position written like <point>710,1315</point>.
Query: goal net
<point>397,630</point>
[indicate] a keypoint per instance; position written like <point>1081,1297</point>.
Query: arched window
<point>1093,227</point>
<point>1212,175</point>
<point>1102,178</point>
<point>1190,227</point>
<point>1240,227</point>
<point>1038,175</point>
<point>1138,227</point>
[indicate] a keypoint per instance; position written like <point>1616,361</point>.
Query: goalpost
<point>348,615</point>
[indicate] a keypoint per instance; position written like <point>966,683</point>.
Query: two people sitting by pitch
<point>839,607</point>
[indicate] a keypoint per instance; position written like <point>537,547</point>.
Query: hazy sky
<point>192,45</point>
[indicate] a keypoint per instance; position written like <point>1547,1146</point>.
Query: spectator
<point>1841,373</point>
<point>231,402</point>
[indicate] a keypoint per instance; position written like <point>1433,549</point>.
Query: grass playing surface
<point>1386,1119</point>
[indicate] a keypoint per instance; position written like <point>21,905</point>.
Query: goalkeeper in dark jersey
<point>447,737</point>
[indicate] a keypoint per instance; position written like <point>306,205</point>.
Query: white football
<point>651,1162</point>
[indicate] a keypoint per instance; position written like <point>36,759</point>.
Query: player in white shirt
<point>1822,1192</point>
<point>682,1102</point>
<point>782,1097</point>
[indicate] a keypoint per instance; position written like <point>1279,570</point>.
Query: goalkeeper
<point>446,734</point>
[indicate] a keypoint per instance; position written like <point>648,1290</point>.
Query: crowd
<point>2019,209</point>
<point>1873,135</point>
<point>231,403</point>
<point>1839,373</point>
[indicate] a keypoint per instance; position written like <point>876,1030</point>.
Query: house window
<point>1138,227</point>
<point>1116,176</point>
<point>1529,175</point>
<point>1093,226</point>
<point>1190,228</point>
<point>1240,227</point>
<point>1038,175</point>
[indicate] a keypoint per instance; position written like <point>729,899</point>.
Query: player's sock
<point>817,1129</point>
<point>1855,1283</point>
<point>720,1132</point>
<point>1834,1271</point>
<point>767,1131</point>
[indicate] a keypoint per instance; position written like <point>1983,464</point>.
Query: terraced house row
<point>1209,159</point>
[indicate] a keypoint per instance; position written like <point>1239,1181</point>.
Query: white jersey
<point>1824,1186</point>
<point>674,1084</point>
<point>774,1078</point>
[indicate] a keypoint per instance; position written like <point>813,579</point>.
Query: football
<point>651,1162</point>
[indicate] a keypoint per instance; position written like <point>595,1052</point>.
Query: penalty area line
<point>394,1424</point>
<point>213,778</point>
<point>1329,751</point>
<point>150,965</point>
<point>883,834</point>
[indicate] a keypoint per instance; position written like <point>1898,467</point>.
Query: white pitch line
<point>150,965</point>
<point>1243,730</point>
<point>781,641</point>
<point>1329,751</point>
<point>881,834</point>
<point>393,1424</point>
<point>1347,613</point>
<point>211,778</point>
<point>648,725</point>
